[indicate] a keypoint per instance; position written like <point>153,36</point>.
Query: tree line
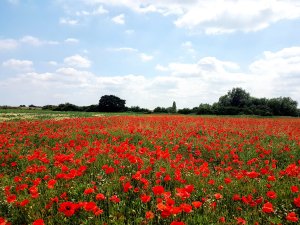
<point>236,102</point>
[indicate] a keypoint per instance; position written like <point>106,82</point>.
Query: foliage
<point>173,109</point>
<point>160,110</point>
<point>137,109</point>
<point>67,107</point>
<point>111,103</point>
<point>239,102</point>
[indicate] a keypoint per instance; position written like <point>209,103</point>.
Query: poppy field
<point>150,170</point>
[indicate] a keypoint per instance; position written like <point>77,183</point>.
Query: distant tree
<point>174,108</point>
<point>67,107</point>
<point>204,109</point>
<point>22,106</point>
<point>160,110</point>
<point>92,108</point>
<point>237,97</point>
<point>283,106</point>
<point>137,109</point>
<point>185,111</point>
<point>111,103</point>
<point>49,107</point>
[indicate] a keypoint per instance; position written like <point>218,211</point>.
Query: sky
<point>149,53</point>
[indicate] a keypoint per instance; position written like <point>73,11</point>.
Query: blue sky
<point>149,53</point>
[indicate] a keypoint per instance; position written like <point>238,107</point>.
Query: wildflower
<point>115,199</point>
<point>177,223</point>
<point>158,190</point>
<point>294,189</point>
<point>145,198</point>
<point>197,204</point>
<point>51,183</point>
<point>218,196</point>
<point>297,201</point>
<point>292,216</point>
<point>240,221</point>
<point>100,196</point>
<point>271,194</point>
<point>38,222</point>
<point>268,208</point>
<point>149,215</point>
<point>186,208</point>
<point>88,191</point>
<point>222,219</point>
<point>67,208</point>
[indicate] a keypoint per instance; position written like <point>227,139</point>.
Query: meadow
<point>149,169</point>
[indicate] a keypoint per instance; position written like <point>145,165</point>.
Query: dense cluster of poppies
<point>150,170</point>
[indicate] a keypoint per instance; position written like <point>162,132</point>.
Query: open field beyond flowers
<point>150,170</point>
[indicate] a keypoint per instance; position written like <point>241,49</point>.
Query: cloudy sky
<point>149,53</point>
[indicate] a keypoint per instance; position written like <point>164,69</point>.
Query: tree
<point>111,103</point>
<point>204,109</point>
<point>283,106</point>
<point>237,97</point>
<point>174,108</point>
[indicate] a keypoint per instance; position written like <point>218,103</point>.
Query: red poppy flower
<point>292,216</point>
<point>115,199</point>
<point>218,196</point>
<point>294,189</point>
<point>197,204</point>
<point>67,208</point>
<point>149,215</point>
<point>222,219</point>
<point>145,198</point>
<point>268,207</point>
<point>24,202</point>
<point>177,223</point>
<point>51,183</point>
<point>241,221</point>
<point>88,191</point>
<point>271,194</point>
<point>38,222</point>
<point>157,190</point>
<point>297,201</point>
<point>90,206</point>
<point>100,196</point>
<point>186,208</point>
<point>11,198</point>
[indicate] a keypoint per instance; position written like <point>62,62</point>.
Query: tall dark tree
<point>174,108</point>
<point>111,103</point>
<point>237,97</point>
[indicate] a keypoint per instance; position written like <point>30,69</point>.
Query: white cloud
<point>30,40</point>
<point>72,41</point>
<point>15,64</point>
<point>52,63</point>
<point>120,19</point>
<point>145,58</point>
<point>274,74</point>
<point>68,21</point>
<point>161,68</point>
<point>188,46</point>
<point>77,61</point>
<point>214,16</point>
<point>123,49</point>
<point>99,11</point>
<point>8,44</point>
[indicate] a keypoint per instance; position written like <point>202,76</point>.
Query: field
<point>150,169</point>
